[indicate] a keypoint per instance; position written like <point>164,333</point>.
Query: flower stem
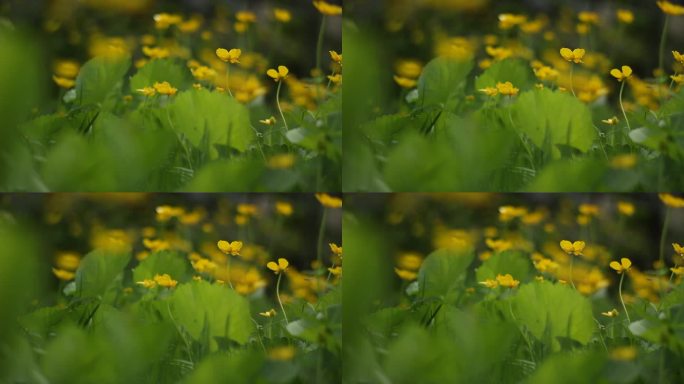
<point>572,79</point>
<point>280,83</point>
<point>228,80</point>
<point>280,275</point>
<point>663,235</point>
<point>572,262</point>
<point>622,277</point>
<point>319,47</point>
<point>622,88</point>
<point>321,233</point>
<point>661,56</point>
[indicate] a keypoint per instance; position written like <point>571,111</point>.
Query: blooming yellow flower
<point>245,17</point>
<point>63,274</point>
<point>327,8</point>
<point>203,73</point>
<point>489,283</point>
<point>489,91</point>
<point>678,57</point>
<point>626,161</point>
<point>147,91</point>
<point>335,79</point>
<point>575,56</point>
<point>335,249</point>
<point>155,52</point>
<point>282,15</point>
<point>232,248</point>
<point>270,121</point>
<point>329,201</point>
<point>165,281</point>
<point>147,283</point>
<point>63,82</point>
<point>281,266</point>
<point>625,16</point>
<point>68,261</point>
<point>336,57</point>
<point>405,82</point>
<point>164,88</point>
<point>232,56</point>
<point>507,89</point>
<point>335,271</point>
<point>156,245</point>
<point>510,20</point>
<point>678,249</point>
<point>571,248</point>
<point>499,53</point>
<point>624,265</point>
<point>612,121</point>
<point>623,74</point>
<point>67,68</point>
<point>203,265</point>
<point>498,245</point>
<point>270,313</point>
<point>405,274</point>
<point>546,73</point>
<point>507,281</point>
<point>283,353</point>
<point>589,17</point>
<point>679,79</point>
<point>612,313</point>
<point>679,271</point>
<point>671,9</point>
<point>626,208</point>
<point>284,208</point>
<point>671,200</point>
<point>278,75</point>
<point>165,20</point>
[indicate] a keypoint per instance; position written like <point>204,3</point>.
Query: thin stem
<point>321,233</point>
<point>572,262</point>
<point>319,46</point>
<point>661,55</point>
<point>228,79</point>
<point>622,88</point>
<point>228,273</point>
<point>280,275</point>
<point>622,277</point>
<point>282,116</point>
<point>572,79</point>
<point>663,235</point>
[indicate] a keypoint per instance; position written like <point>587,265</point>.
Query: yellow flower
<point>232,248</point>
<point>156,52</point>
<point>283,353</point>
<point>679,79</point>
<point>278,75</point>
<point>147,91</point>
<point>335,79</point>
<point>63,274</point>
<point>281,266</point>
<point>678,249</point>
<point>336,57</point>
<point>406,275</point>
<point>507,89</point>
<point>156,245</point>
<point>281,161</point>
<point>498,245</point>
<point>678,57</point>
<point>405,82</point>
<point>165,281</point>
<point>327,8</point>
<point>147,283</point>
<point>624,265</point>
<point>68,261</point>
<point>625,16</point>
<point>247,209</point>
<point>165,20</point>
<point>571,248</point>
<point>282,15</point>
<point>270,313</point>
<point>611,313</point>
<point>623,74</point>
<point>164,88</point>
<point>270,121</point>
<point>203,73</point>
<point>499,53</point>
<point>671,200</point>
<point>626,161</point>
<point>203,265</point>
<point>284,208</point>
<point>625,353</point>
<point>546,73</point>
<point>612,121</point>
<point>507,281</point>
<point>232,56</point>
<point>329,201</point>
<point>679,271</point>
<point>489,91</point>
<point>335,249</point>
<point>67,68</point>
<point>575,56</point>
<point>245,17</point>
<point>63,82</point>
<point>489,283</point>
<point>509,20</point>
<point>625,208</point>
<point>335,271</point>
<point>671,9</point>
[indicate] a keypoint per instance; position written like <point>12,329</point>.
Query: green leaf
<point>239,367</point>
<point>570,368</point>
<point>221,310</point>
<point>570,176</point>
<point>551,118</point>
<point>516,71</point>
<point>228,176</point>
<point>160,70</point>
<point>441,79</point>
<point>514,262</point>
<point>554,312</point>
<point>305,137</point>
<point>159,263</point>
<point>99,271</point>
<point>443,272</point>
<point>212,118</point>
<point>99,78</point>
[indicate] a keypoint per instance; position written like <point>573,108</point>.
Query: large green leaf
<point>99,271</point>
<point>212,118</point>
<point>514,262</point>
<point>159,71</point>
<point>159,263</point>
<point>516,71</point>
<point>443,78</point>
<point>572,368</point>
<point>443,272</point>
<point>554,313</point>
<point>553,118</point>
<point>242,367</point>
<point>228,176</point>
<point>219,311</point>
<point>100,77</point>
<point>567,175</point>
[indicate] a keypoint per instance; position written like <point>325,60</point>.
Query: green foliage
<point>162,262</point>
<point>571,368</point>
<point>553,313</point>
<point>515,71</point>
<point>158,71</point>
<point>442,79</point>
<point>100,271</point>
<point>239,368</point>
<point>443,272</point>
<point>100,79</point>
<point>508,262</point>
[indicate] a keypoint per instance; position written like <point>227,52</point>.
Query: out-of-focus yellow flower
<point>623,74</point>
<point>571,248</point>
<point>626,208</point>
<point>489,91</point>
<point>156,52</point>
<point>284,208</point>
<point>164,88</point>
<point>679,271</point>
<point>67,68</point>
<point>283,353</point>
<point>245,16</point>
<point>612,313</point>
<point>335,79</point>
<point>156,245</point>
<point>405,82</point>
<point>509,212</point>
<point>68,260</point>
<point>63,82</point>
<point>670,8</point>
<point>626,161</point>
<point>589,17</point>
<point>280,74</point>
<point>625,16</point>
<point>279,267</point>
<point>679,79</point>
<point>165,20</point>
<point>405,274</point>
<point>626,353</point>
<point>335,249</point>
<point>507,281</point>
<point>167,212</point>
<point>147,91</point>
<point>678,249</point>
<point>63,274</point>
<point>270,121</point>
<point>489,283</point>
<point>612,121</point>
<point>232,56</point>
<point>575,56</point>
<point>270,313</point>
<point>232,248</point>
<point>336,57</point>
<point>327,8</point>
<point>624,265</point>
<point>678,57</point>
<point>589,209</point>
<point>282,15</point>
<point>671,200</point>
<point>335,271</point>
<point>147,283</point>
<point>204,265</point>
<point>499,245</point>
<point>329,201</point>
<point>165,281</point>
<point>190,26</point>
<point>546,73</point>
<point>509,20</point>
<point>203,73</point>
<point>507,89</point>
<point>281,161</point>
